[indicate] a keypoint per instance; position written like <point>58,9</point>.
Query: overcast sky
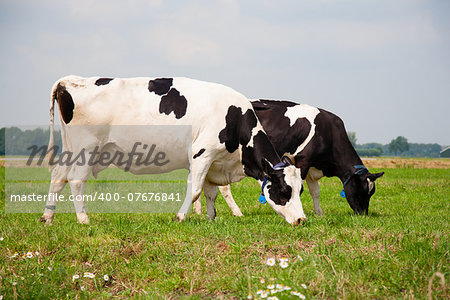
<point>382,66</point>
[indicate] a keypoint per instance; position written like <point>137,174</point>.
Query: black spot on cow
<point>160,86</point>
<point>65,103</point>
<point>284,137</point>
<point>103,81</point>
<point>199,153</point>
<point>173,102</point>
<point>279,191</point>
<point>238,128</point>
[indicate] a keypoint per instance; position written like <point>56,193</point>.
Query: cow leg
<point>58,182</point>
<point>197,205</point>
<point>77,180</point>
<point>314,190</point>
<point>197,174</point>
<point>226,193</point>
<point>211,196</point>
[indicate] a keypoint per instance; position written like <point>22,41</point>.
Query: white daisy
<point>271,286</point>
<point>287,288</point>
<point>37,253</point>
<point>49,268</point>
<point>248,297</point>
<point>284,259</point>
<point>1,240</point>
<point>262,280</point>
<point>30,254</point>
<point>271,262</point>
<point>264,295</point>
<point>299,258</point>
<point>75,277</point>
<point>14,282</point>
<point>83,288</point>
<point>14,255</point>
<point>284,264</point>
<point>105,277</point>
<point>303,285</point>
<point>301,296</point>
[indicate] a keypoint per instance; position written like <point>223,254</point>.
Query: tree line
<point>15,141</point>
<point>397,147</point>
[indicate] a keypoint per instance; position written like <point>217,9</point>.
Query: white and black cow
<point>318,143</point>
<point>228,142</point>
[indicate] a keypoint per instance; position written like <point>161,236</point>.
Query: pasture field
<point>400,250</point>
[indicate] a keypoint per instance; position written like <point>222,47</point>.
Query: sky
<point>382,66</point>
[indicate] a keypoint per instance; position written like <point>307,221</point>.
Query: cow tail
<point>51,142</point>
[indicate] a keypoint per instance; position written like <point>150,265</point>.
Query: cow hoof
<point>83,218</point>
<point>48,220</point>
<point>181,217</point>
<point>319,212</point>
<point>238,214</point>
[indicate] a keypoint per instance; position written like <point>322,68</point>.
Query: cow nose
<point>299,221</point>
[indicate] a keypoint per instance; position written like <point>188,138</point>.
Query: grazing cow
<point>228,142</point>
<point>318,143</point>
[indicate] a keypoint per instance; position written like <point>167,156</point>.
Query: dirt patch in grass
<point>412,163</point>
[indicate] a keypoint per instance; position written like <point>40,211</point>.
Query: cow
<point>228,142</point>
<point>316,140</point>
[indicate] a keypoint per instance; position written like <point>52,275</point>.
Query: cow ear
<point>267,166</point>
<point>374,177</point>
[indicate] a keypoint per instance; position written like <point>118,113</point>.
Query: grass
<point>392,253</point>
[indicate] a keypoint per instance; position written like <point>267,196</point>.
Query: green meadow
<point>400,250</point>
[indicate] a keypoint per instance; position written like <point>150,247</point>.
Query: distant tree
<point>352,137</point>
<point>2,141</point>
<point>399,145</point>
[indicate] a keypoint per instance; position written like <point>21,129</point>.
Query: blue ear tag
<point>342,194</point>
<point>262,199</point>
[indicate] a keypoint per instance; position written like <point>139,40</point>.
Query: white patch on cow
<point>303,111</point>
<point>371,185</point>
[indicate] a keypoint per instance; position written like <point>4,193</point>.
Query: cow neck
<point>345,164</point>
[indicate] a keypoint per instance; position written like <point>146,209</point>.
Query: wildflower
<point>49,268</point>
<point>249,296</point>
<point>287,288</point>
<point>75,277</point>
<point>89,275</point>
<point>1,297</point>
<point>259,292</point>
<point>262,280</point>
<point>1,240</point>
<point>264,295</point>
<point>284,264</point>
<point>30,254</point>
<point>83,288</point>
<point>271,262</point>
<point>273,298</point>
<point>14,255</point>
<point>270,286</point>
<point>37,253</point>
<point>283,259</point>
<point>301,296</point>
<point>279,286</point>
<point>106,278</point>
<point>303,285</point>
<point>272,279</point>
<point>299,258</point>
<point>14,282</point>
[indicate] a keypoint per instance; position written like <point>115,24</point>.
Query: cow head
<point>359,187</point>
<point>282,190</point>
